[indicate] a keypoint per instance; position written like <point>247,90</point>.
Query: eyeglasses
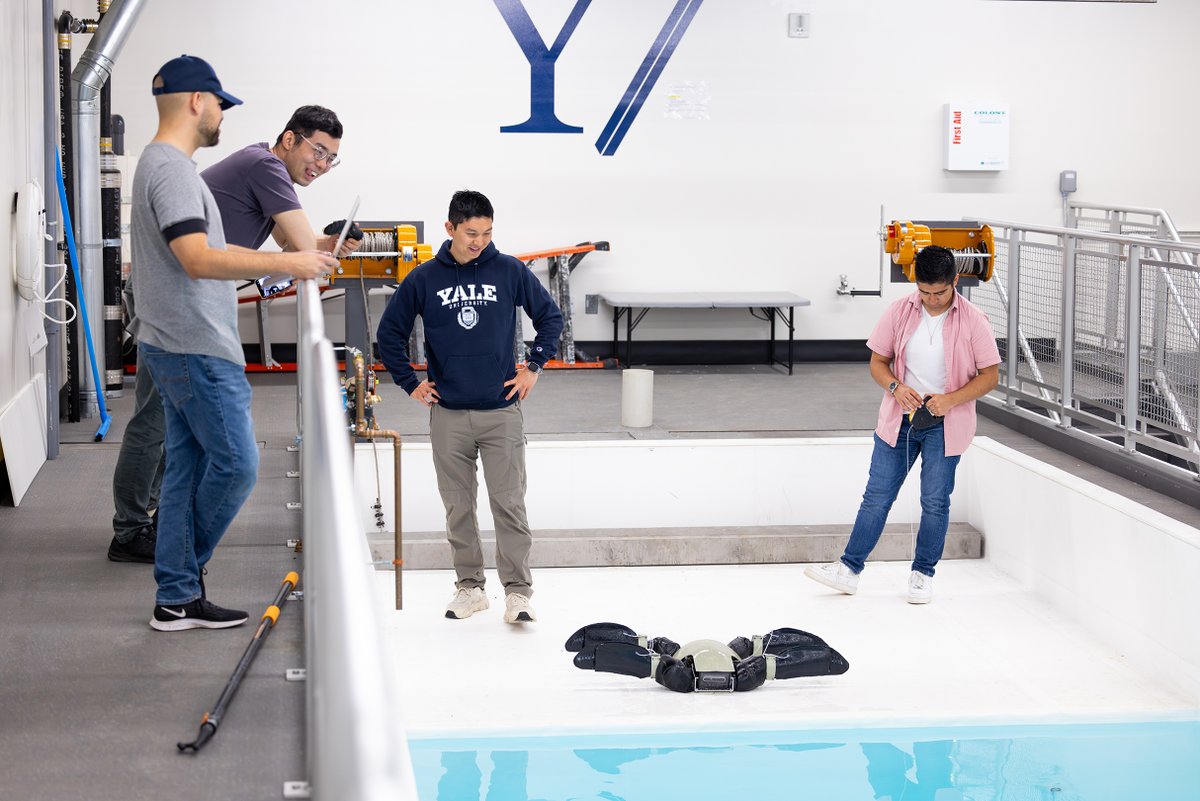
<point>322,153</point>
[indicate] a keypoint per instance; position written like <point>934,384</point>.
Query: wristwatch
<point>892,387</point>
<point>533,367</point>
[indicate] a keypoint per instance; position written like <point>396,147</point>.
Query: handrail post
<point>1066,349</point>
<point>1012,336</point>
<point>1133,347</point>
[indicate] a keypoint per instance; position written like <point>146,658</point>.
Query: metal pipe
<point>398,538</point>
<point>1098,236</point>
<point>50,254</point>
<point>361,429</point>
<point>356,747</point>
<point>360,392</point>
<point>105,419</point>
<point>90,74</point>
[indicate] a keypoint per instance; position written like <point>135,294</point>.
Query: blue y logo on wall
<point>542,59</point>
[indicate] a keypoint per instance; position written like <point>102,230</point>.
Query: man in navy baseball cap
<point>191,74</point>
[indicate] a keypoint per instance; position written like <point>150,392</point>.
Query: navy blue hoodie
<point>469,312</point>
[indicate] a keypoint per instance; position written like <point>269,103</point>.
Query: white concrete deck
<point>985,651</point>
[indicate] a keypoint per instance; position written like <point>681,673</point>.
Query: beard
<point>210,136</point>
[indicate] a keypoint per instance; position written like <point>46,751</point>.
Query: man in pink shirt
<point>935,354</point>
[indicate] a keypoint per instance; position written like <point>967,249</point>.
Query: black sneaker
<point>199,614</point>
<point>139,548</point>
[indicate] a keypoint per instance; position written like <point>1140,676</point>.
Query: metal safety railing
<point>1123,220</point>
<point>1099,336</point>
<point>357,749</point>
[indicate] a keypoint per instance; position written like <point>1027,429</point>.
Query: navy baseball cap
<point>191,74</point>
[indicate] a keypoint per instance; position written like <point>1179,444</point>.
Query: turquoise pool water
<point>1111,762</point>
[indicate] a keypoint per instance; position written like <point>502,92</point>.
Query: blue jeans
<point>137,479</point>
<point>212,463</point>
<point>889,467</point>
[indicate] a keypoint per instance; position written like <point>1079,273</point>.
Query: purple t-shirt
<point>251,186</point>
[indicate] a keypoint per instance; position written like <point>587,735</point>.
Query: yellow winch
<point>974,247</point>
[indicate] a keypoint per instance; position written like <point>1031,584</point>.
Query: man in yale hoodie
<point>467,297</point>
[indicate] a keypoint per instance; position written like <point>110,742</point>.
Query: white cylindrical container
<point>637,398</point>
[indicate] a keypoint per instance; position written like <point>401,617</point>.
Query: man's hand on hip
<point>521,383</point>
<point>425,393</point>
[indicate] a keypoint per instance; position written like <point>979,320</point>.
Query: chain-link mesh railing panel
<point>1099,360</point>
<point>1170,308</point>
<point>1168,333</point>
<point>987,298</point>
<point>1040,312</point>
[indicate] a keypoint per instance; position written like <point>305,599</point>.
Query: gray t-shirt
<point>171,310</point>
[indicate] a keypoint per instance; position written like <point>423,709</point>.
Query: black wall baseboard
<point>675,351</point>
<point>726,351</point>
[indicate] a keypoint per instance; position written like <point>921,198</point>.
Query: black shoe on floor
<point>199,614</point>
<point>139,548</point>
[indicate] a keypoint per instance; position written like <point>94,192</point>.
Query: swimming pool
<point>1095,762</point>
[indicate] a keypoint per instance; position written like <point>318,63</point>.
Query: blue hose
<point>69,232</point>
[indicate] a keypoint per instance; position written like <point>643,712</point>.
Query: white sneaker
<point>466,602</point>
<point>920,588</point>
<point>517,609</point>
<point>835,575</point>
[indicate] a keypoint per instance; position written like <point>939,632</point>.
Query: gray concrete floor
<point>92,701</point>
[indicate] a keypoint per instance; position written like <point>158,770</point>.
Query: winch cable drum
<point>973,246</point>
<point>387,244</point>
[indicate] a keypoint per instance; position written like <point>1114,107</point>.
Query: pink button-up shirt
<point>970,346</point>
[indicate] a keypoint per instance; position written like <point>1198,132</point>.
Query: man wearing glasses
<point>256,186</point>
<point>255,191</point>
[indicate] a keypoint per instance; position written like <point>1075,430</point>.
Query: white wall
<point>658,484</point>
<point>1126,573</point>
<point>779,188</point>
<point>21,365</point>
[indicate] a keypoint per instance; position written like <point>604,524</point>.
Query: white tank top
<point>925,355</point>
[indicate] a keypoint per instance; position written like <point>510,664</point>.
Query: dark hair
<point>307,119</point>
<point>935,265</point>
<point>467,204</point>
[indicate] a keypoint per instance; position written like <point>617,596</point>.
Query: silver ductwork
<point>90,74</point>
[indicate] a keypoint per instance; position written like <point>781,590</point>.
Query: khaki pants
<point>459,438</point>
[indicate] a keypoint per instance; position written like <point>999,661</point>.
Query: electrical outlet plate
<point>591,304</point>
<point>297,790</point>
<point>799,25</point>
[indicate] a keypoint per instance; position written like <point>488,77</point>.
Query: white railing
<point>1101,338</point>
<point>357,749</point>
